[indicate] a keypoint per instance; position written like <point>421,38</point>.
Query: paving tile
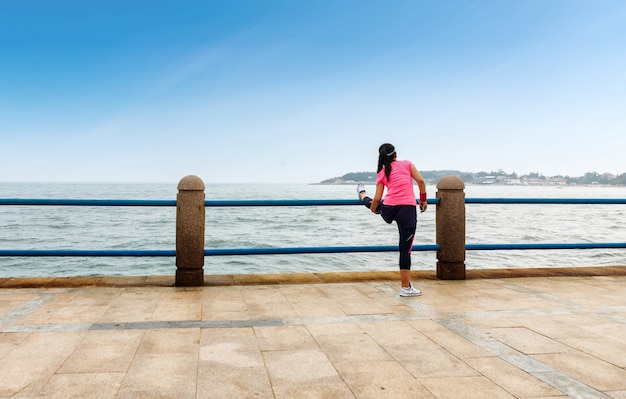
<point>221,304</point>
<point>224,315</point>
<point>334,328</point>
<point>351,348</point>
<point>587,369</point>
<point>42,307</point>
<point>359,302</point>
<point>555,329</point>
<point>229,381</point>
<point>26,368</point>
<point>171,340</point>
<point>231,365</point>
<point>103,352</point>
<point>464,387</point>
<point>223,298</point>
<point>610,351</point>
<point>234,346</point>
<point>24,376</point>
<point>12,302</point>
<point>395,336</point>
<point>284,338</point>
<point>552,397</point>
<point>161,376</point>
<point>267,303</point>
<point>177,312</point>
<point>510,378</point>
<point>94,297</point>
<point>77,314</point>
<point>527,341</point>
<point>295,367</point>
<point>611,331</point>
<point>348,342</point>
<point>503,299</point>
<point>309,301</point>
<point>455,344</point>
<point>83,385</point>
<point>131,306</point>
<point>304,374</point>
<point>379,380</point>
<point>449,303</point>
<point>18,296</point>
<point>433,361</point>
<point>10,341</point>
<point>424,325</point>
<point>320,389</point>
<point>491,322</point>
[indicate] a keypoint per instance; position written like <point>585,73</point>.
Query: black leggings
<point>405,217</point>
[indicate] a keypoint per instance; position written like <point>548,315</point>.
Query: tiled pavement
<point>539,337</point>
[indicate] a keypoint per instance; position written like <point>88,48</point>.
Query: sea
<point>154,228</point>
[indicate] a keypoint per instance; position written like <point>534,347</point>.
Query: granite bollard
<point>190,221</point>
<point>450,230</point>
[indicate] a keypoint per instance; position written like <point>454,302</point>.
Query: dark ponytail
<point>386,154</point>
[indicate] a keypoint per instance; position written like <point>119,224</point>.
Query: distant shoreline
<point>348,183</point>
<point>499,178</point>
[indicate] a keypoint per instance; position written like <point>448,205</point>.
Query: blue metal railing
<point>570,201</point>
<point>116,253</point>
<point>296,250</point>
<point>208,203</point>
<point>546,201</point>
<point>84,202</point>
<point>207,252</point>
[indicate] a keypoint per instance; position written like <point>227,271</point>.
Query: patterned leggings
<point>405,217</point>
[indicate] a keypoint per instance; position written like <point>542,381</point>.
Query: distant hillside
<point>499,177</point>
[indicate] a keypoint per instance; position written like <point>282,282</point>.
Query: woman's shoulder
<point>406,163</point>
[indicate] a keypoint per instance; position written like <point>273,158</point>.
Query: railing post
<point>450,228</point>
<point>190,232</point>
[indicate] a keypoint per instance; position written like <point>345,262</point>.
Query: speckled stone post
<point>190,232</point>
<point>451,228</point>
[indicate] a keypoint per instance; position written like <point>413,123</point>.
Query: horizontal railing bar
<point>312,250</point>
<point>318,202</point>
<point>585,201</point>
<point>297,250</point>
<point>207,252</point>
<point>85,202</point>
<point>586,245</point>
<point>208,203</point>
<point>237,203</point>
<point>88,252</point>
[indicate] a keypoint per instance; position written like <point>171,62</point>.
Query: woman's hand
<point>423,207</point>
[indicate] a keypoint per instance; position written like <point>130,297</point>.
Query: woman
<point>399,205</point>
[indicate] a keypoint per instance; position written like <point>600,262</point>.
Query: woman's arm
<point>377,197</point>
<point>421,183</point>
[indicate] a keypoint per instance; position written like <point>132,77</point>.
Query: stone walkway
<point>539,337</point>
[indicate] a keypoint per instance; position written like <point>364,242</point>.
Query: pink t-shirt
<point>400,184</point>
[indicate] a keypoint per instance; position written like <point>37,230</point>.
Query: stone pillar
<point>190,232</point>
<point>451,228</point>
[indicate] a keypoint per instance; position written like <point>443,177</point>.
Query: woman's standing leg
<point>406,218</point>
<point>404,246</point>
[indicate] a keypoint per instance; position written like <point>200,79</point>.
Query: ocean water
<point>64,227</point>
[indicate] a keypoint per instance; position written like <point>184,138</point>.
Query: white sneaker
<point>410,291</point>
<point>359,189</point>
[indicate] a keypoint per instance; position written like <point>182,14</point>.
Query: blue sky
<point>297,92</point>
